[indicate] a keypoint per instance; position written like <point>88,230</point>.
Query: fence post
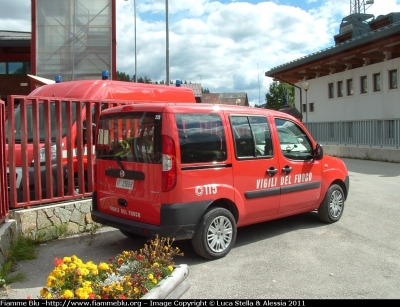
<point>3,166</point>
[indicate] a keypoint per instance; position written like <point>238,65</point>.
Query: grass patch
<point>21,249</point>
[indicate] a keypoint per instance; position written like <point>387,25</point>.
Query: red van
<point>200,171</point>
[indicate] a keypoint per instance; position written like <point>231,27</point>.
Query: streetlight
<point>305,87</point>
<point>134,14</point>
<point>167,41</point>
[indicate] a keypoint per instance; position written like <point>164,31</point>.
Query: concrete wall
<point>364,152</point>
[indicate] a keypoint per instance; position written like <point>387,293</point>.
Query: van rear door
<point>129,168</point>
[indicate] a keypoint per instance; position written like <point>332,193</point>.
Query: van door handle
<point>287,169</point>
<point>272,171</point>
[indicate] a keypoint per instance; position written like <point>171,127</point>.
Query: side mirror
<point>318,152</point>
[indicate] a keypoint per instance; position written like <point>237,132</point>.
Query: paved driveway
<point>295,257</point>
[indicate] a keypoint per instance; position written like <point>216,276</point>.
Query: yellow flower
<point>150,276</point>
<point>45,293</point>
<point>67,294</point>
<point>103,266</point>
<point>82,293</point>
<point>84,271</point>
<point>66,259</point>
<point>51,280</point>
<point>154,281</point>
<point>136,290</point>
<point>170,267</point>
<point>156,264</point>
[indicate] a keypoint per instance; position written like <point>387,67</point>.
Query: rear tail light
<point>168,164</point>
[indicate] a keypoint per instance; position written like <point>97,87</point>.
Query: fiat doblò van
<point>200,171</point>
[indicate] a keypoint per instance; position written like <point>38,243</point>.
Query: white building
<point>353,80</point>
<point>353,89</point>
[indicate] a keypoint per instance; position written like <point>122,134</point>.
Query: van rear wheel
<point>331,208</point>
<point>215,235</point>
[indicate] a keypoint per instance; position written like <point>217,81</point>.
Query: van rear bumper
<point>180,232</point>
<point>178,221</point>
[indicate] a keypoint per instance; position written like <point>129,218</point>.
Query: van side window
<point>252,136</point>
<point>294,142</point>
<point>201,137</point>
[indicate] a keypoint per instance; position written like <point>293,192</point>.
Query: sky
<point>226,45</point>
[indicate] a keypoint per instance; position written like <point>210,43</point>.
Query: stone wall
<point>8,231</point>
<point>48,222</point>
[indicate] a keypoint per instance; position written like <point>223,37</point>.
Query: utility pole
<point>167,41</point>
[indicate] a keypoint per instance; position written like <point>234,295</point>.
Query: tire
<point>331,208</point>
<point>215,235</point>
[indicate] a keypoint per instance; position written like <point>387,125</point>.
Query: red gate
<point>3,166</point>
<point>49,149</point>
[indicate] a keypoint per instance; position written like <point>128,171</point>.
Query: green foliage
<point>21,249</point>
<point>278,93</point>
<point>121,76</point>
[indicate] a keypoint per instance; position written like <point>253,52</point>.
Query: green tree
<point>121,76</point>
<point>279,94</point>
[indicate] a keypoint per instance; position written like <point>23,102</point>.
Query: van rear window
<point>201,137</point>
<point>131,137</point>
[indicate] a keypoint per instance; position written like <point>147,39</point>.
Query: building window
<point>3,68</point>
<point>304,108</point>
<point>330,90</point>
<point>364,85</point>
<point>377,82</point>
<point>349,85</point>
<point>311,107</point>
<point>392,79</point>
<point>15,68</point>
<point>340,88</point>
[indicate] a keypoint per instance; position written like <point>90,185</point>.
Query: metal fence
<point>374,132</point>
<point>48,149</point>
<point>3,166</point>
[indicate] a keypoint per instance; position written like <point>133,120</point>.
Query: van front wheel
<point>215,235</point>
<point>331,208</point>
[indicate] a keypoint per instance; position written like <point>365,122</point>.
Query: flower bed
<point>130,275</point>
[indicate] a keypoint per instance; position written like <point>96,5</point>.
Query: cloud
<point>228,47</point>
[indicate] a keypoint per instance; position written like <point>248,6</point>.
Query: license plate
<point>125,183</point>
